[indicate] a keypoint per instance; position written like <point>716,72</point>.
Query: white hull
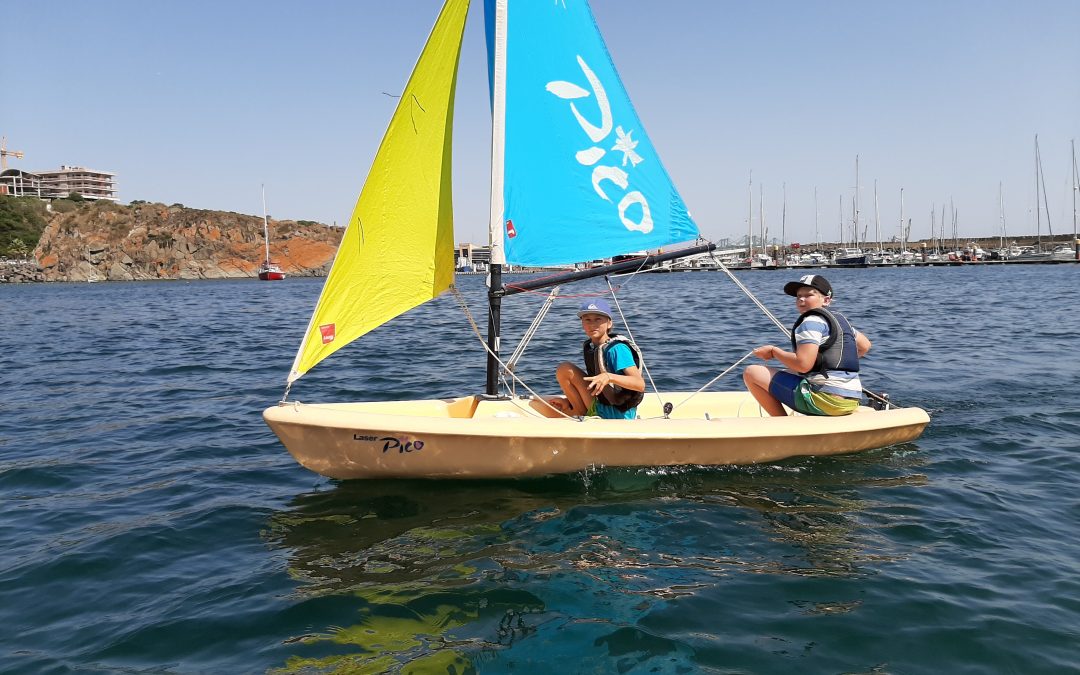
<point>474,438</point>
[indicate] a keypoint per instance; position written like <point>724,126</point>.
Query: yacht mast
<point>1042,180</point>
<point>855,206</point>
<point>877,218</point>
<point>933,227</point>
<point>266,227</point>
<point>783,220</point>
<point>1001,216</point>
<point>817,237</point>
<point>943,240</point>
<point>903,236</point>
<point>1038,214</point>
<point>1076,188</point>
<point>955,232</point>
<point>761,216</point>
<point>750,220</point>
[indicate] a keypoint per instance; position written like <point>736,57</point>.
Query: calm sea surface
<point>150,522</point>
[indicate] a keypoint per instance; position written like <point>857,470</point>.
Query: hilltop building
<point>59,183</point>
<point>19,183</point>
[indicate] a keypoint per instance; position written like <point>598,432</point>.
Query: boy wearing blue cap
<point>611,386</point>
<point>822,368</point>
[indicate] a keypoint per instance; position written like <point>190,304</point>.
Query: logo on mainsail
<point>510,231</point>
<point>592,155</point>
<point>328,331</point>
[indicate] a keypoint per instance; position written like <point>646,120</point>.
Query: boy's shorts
<point>795,392</point>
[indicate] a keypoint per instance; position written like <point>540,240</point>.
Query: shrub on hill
<point>22,220</point>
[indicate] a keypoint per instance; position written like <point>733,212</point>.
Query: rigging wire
<point>630,334</point>
<point>511,363</point>
<point>503,368</point>
<point>714,380</point>
<point>753,298</point>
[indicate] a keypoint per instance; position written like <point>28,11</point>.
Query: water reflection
<point>463,574</point>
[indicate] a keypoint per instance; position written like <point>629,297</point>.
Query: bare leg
<point>559,403</point>
<point>575,388</point>
<point>757,378</point>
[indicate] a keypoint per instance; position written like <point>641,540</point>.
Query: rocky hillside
<point>112,242</point>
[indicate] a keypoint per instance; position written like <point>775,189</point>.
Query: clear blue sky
<point>200,102</point>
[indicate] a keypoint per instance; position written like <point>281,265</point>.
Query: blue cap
<point>596,306</point>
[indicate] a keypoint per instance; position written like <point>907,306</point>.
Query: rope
<point>750,295</point>
<point>630,334</point>
<point>641,269</point>
<point>715,379</point>
<point>502,366</point>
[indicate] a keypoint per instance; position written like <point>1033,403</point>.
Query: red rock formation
<point>107,241</point>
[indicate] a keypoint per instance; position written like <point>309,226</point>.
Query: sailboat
<point>268,270</point>
<point>852,256</point>
<point>1066,251</point>
<point>574,178</point>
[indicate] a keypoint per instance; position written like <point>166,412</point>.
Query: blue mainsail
<point>580,178</point>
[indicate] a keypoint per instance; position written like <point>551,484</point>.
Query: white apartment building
<point>59,183</point>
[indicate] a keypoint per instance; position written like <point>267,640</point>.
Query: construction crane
<point>4,153</point>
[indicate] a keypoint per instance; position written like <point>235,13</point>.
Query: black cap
<point>815,281</point>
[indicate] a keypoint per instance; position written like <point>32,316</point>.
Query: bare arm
<point>862,344</point>
<point>800,361</point>
<point>629,378</point>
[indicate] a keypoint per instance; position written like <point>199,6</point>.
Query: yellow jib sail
<point>398,248</point>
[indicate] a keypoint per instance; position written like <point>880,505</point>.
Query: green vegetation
<point>22,220</point>
<point>64,206</point>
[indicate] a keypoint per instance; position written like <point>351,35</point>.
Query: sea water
<point>151,522</point>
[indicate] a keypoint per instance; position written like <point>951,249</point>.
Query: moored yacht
<point>849,256</point>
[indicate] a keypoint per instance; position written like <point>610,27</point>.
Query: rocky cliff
<point>112,242</point>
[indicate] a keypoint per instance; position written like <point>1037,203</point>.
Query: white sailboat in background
<point>575,178</point>
<point>853,255</point>
<point>1065,251</point>
<point>268,270</point>
<point>1037,253</point>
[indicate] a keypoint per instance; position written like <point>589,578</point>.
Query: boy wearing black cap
<point>611,385</point>
<point>821,375</point>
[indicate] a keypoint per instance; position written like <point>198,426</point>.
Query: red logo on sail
<point>510,231</point>
<point>327,331</point>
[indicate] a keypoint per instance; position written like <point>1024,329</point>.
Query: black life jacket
<point>833,354</point>
<point>613,395</point>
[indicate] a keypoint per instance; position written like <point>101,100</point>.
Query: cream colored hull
<point>474,438</point>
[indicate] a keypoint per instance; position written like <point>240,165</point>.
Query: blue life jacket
<point>613,395</point>
<point>833,354</point>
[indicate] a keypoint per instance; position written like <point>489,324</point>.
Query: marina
<point>1061,255</point>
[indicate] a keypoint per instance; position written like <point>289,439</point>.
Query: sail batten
<point>580,178</point>
<point>404,213</point>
